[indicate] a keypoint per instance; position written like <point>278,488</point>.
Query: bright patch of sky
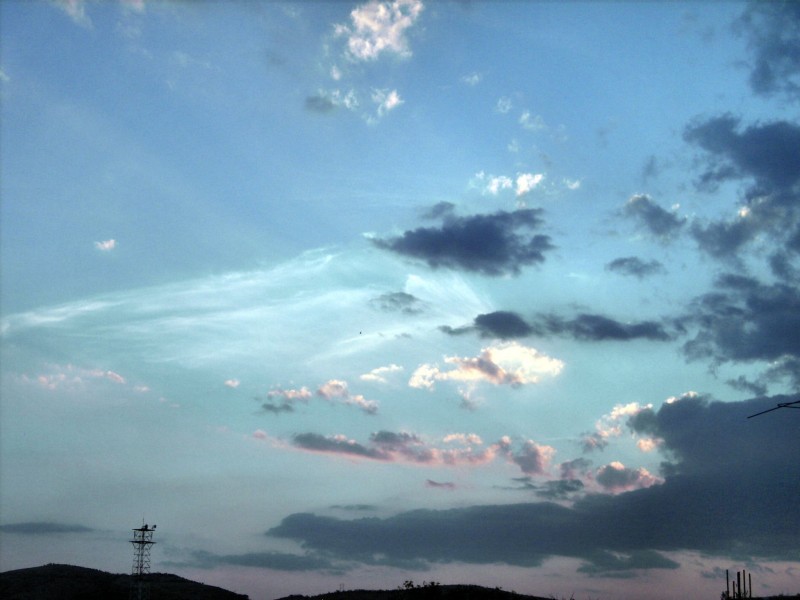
<point>300,268</point>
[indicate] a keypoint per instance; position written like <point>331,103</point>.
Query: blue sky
<point>355,293</point>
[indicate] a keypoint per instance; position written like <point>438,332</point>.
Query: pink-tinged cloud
<point>616,477</point>
<point>403,447</point>
<point>610,425</point>
<point>333,389</point>
<point>232,383</point>
<point>532,458</point>
<point>260,434</point>
<point>389,446</point>
<point>70,376</point>
<point>106,246</point>
<point>649,444</point>
<point>507,363</point>
<point>337,390</point>
<point>378,27</point>
<point>115,377</point>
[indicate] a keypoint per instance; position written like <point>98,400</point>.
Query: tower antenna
<point>142,542</point>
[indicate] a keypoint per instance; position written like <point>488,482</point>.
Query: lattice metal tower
<point>142,542</point>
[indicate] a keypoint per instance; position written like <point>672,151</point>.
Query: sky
<point>345,294</point>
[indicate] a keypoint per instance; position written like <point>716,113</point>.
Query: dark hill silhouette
<point>68,582</point>
<point>423,592</point>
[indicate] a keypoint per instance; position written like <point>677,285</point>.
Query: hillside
<point>442,592</point>
<point>68,582</point>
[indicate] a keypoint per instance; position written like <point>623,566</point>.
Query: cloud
<point>616,477</point>
<point>729,490</point>
<point>559,489</point>
<point>335,389</point>
<point>635,267</point>
<point>493,244</point>
<point>378,374</point>
<point>610,425</point>
<point>379,27</point>
<point>472,79</point>
<point>106,246</point>
<point>767,156</point>
<point>398,302</point>
<point>503,105</point>
<point>660,223</point>
<point>447,485</point>
<point>76,10</point>
<point>506,363</point>
<point>533,458</point>
<point>283,401</point>
<point>327,101</point>
<point>585,327</point>
<point>527,182</point>
<point>531,122</point>
<point>386,100</point>
<point>745,320</point>
<point>232,383</point>
<point>767,152</point>
<point>503,325</point>
<point>773,36</point>
<point>43,528</point>
<point>389,446</point>
<point>599,328</point>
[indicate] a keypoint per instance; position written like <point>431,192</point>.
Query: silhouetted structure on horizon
<point>142,542</point>
<point>738,590</point>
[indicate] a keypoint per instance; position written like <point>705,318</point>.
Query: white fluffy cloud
<point>527,181</point>
<point>378,27</point>
<point>106,246</point>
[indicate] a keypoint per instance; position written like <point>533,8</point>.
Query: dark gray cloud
<point>635,267</point>
<point>745,320</point>
<point>398,302</point>
<point>335,445</point>
<point>661,223</point>
<point>768,152</point>
<point>503,325</point>
<point>598,328</point>
<point>494,244</point>
<point>772,30</point>
<point>767,157</point>
<point>559,489</point>
<point>277,408</point>
<point>730,489</point>
<point>585,327</point>
<point>43,528</point>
